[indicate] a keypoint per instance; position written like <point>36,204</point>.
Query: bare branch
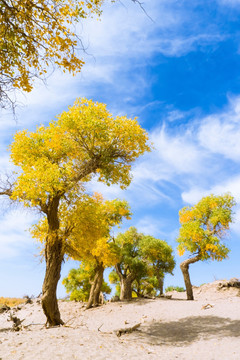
<point>6,185</point>
<point>142,7</point>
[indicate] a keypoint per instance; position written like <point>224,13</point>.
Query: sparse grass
<point>11,301</point>
<point>174,288</point>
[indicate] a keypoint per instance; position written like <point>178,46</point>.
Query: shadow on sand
<point>188,330</point>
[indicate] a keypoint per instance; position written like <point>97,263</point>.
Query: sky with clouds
<point>177,68</point>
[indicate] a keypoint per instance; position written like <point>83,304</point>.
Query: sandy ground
<point>170,329</point>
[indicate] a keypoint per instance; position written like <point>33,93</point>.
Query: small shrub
<point>174,288</point>
<point>11,301</point>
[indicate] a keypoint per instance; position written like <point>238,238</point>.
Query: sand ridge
<point>206,328</point>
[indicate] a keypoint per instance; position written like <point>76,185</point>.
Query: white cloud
<point>126,30</point>
<point>14,235</point>
<point>221,133</point>
<point>232,185</point>
<point>178,152</point>
<point>150,226</point>
<point>123,37</point>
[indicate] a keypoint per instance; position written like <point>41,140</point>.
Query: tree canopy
<point>203,227</point>
<point>158,255</point>
<point>143,262</point>
<point>83,141</point>
<point>35,34</point>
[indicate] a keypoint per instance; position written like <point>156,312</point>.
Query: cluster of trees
<point>56,161</point>
<point>141,262</point>
<point>86,141</point>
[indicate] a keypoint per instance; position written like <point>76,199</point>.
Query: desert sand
<point>206,328</point>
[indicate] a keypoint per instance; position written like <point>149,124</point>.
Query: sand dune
<point>206,328</point>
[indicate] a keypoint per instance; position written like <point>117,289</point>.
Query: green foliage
<point>146,258</point>
<point>204,225</point>
<point>158,254</point>
<point>174,288</point>
<point>128,247</point>
<point>78,283</point>
<point>146,286</point>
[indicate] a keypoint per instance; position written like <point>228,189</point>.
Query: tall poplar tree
<point>84,142</point>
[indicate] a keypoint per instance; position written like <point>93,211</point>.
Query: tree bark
<point>94,297</point>
<point>184,266</point>
<point>160,284</point>
<point>126,287</point>
<point>126,281</point>
<point>54,257</point>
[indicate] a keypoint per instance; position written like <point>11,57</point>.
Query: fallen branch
<point>128,330</point>
<point>208,306</point>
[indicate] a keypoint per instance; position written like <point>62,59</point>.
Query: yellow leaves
<point>56,160</point>
<point>85,228</point>
<point>181,251</point>
<point>36,34</point>
<point>204,225</point>
<point>185,215</point>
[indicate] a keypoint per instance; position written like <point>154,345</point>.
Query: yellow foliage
<point>85,228</point>
<point>34,34</point>
<point>84,141</point>
<point>204,225</point>
<point>57,160</point>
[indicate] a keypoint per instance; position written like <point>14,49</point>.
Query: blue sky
<point>179,73</point>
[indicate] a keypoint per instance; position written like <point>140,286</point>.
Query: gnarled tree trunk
<point>160,284</point>
<point>184,266</point>
<point>126,281</point>
<point>54,257</point>
<point>94,297</point>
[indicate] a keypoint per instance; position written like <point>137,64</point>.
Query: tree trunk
<point>94,297</point>
<point>126,281</point>
<point>54,260</point>
<point>185,267</point>
<point>160,285</point>
<point>54,257</point>
<point>126,287</point>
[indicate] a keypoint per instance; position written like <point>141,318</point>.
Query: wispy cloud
<point>15,237</point>
<point>220,133</point>
<point>118,47</point>
<point>194,158</point>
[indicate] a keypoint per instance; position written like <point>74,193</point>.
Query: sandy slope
<point>170,329</point>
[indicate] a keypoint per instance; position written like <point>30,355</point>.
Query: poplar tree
<point>203,229</point>
<point>55,160</point>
